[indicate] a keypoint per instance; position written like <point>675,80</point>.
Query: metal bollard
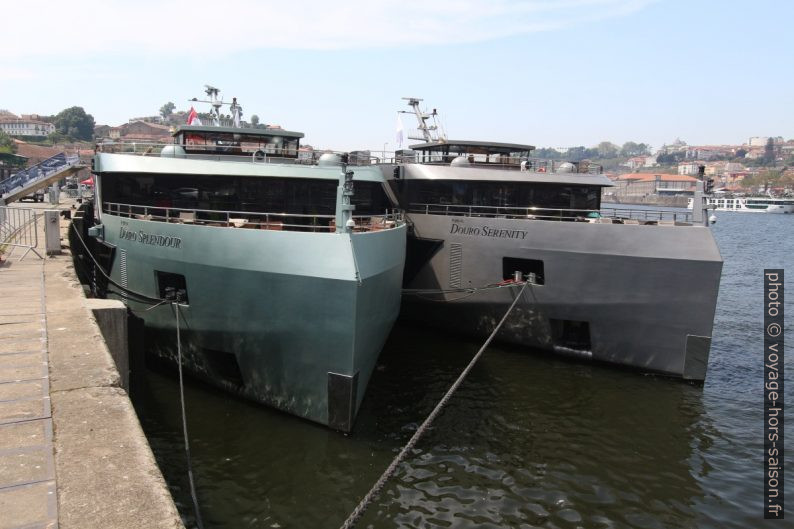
<point>52,232</point>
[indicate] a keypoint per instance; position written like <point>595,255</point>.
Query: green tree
<point>767,179</point>
<point>607,149</point>
<point>7,143</point>
<point>547,153</point>
<point>769,152</point>
<point>74,122</point>
<point>254,120</point>
<point>167,109</point>
<point>629,149</point>
<point>786,179</point>
<point>770,178</point>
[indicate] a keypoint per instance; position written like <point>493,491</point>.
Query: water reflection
<point>528,439</point>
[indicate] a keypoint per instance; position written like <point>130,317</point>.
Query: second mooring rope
<point>199,522</point>
<point>373,492</point>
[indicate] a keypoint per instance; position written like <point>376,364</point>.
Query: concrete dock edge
<point>106,473</point>
<point>73,454</point>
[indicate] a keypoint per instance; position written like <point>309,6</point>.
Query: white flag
<point>399,131</point>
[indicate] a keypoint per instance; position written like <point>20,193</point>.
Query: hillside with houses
<point>667,175</point>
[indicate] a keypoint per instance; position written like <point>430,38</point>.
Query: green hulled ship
<point>288,266</point>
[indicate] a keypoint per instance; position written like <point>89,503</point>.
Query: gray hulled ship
<point>631,287</point>
<point>288,269</point>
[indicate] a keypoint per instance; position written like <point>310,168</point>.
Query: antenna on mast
<point>429,132</point>
<point>217,103</point>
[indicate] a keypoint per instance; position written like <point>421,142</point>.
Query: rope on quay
<point>126,290</point>
<point>175,303</point>
<point>376,488</point>
<point>184,416</point>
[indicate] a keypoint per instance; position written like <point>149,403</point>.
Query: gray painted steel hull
<point>648,293</point>
<point>271,313</point>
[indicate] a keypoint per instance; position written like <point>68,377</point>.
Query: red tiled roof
<point>647,177</point>
<point>35,151</point>
<point>20,120</point>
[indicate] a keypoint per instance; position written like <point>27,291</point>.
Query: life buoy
<point>259,155</point>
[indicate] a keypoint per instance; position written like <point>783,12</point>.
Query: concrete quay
<point>72,451</point>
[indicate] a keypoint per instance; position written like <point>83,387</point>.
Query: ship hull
<point>294,320</point>
<point>633,295</point>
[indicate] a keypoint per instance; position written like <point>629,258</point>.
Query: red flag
<point>192,117</point>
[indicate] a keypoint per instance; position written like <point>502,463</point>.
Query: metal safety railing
<point>598,216</point>
<point>251,219</point>
<point>534,165</point>
<point>18,229</point>
<point>480,161</point>
<point>230,153</point>
<point>254,154</point>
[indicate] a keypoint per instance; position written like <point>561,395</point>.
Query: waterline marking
<point>773,394</point>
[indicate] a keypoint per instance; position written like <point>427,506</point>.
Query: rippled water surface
<point>529,440</point>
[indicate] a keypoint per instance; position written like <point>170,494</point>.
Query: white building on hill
<point>25,126</point>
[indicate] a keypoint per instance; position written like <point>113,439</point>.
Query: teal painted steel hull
<point>270,313</point>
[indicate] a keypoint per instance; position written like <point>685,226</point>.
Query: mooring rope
<point>373,492</point>
<point>184,419</point>
<point>175,304</point>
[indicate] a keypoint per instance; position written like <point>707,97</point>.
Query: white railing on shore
<point>251,219</point>
<point>19,229</point>
<point>599,216</point>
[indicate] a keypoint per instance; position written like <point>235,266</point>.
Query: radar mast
<point>215,112</point>
<point>429,133</point>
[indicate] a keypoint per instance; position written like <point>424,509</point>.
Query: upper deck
<point>201,139</point>
<point>493,155</point>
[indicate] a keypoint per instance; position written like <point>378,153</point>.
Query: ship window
<point>571,334</point>
<point>303,196</point>
<point>502,194</point>
<point>238,143</point>
<point>510,265</point>
<point>170,285</point>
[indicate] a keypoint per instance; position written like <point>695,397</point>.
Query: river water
<point>529,440</point>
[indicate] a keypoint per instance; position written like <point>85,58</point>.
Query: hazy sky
<point>550,73</point>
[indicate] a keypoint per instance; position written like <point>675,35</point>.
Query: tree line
<point>604,150</point>
<point>71,124</point>
<point>178,118</point>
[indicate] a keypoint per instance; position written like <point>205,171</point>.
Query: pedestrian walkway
<point>27,468</point>
<point>72,452</point>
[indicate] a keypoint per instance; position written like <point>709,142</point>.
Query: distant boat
<point>288,269</point>
<point>750,204</point>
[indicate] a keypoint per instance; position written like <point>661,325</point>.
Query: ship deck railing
<point>246,154</point>
<point>226,153</point>
<point>604,215</point>
<point>252,219</point>
<point>510,163</point>
<point>232,153</point>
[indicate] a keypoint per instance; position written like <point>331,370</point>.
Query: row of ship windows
<point>301,196</point>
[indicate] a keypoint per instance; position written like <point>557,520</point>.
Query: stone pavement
<point>72,452</point>
<point>27,467</point>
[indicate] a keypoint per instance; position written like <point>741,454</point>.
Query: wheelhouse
<point>199,139</point>
<point>473,152</point>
